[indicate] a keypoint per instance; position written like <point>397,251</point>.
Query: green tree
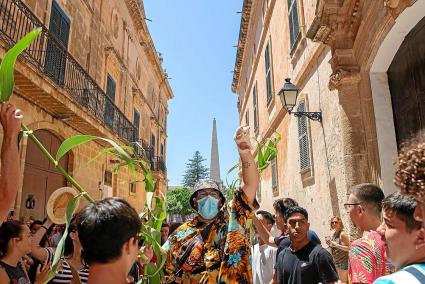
<point>195,170</point>
<point>178,201</point>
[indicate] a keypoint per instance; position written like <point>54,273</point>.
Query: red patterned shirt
<point>367,259</point>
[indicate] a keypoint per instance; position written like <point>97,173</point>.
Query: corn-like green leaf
<point>7,66</point>
<point>149,183</point>
<point>71,143</point>
<point>260,158</point>
<point>70,209</point>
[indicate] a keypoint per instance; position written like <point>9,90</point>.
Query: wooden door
<point>406,77</point>
<point>40,176</point>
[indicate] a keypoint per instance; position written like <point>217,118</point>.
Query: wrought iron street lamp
<point>288,95</point>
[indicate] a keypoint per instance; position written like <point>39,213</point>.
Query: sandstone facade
<point>104,39</point>
<point>338,54</point>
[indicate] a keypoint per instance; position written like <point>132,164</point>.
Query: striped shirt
<point>412,274</point>
<point>64,276</point>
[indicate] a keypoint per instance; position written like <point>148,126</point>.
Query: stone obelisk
<point>215,160</point>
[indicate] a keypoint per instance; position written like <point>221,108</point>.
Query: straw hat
<point>57,203</point>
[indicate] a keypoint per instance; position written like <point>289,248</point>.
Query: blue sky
<point>196,39</point>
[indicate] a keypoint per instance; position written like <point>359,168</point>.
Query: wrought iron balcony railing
<point>158,164</point>
<point>52,59</point>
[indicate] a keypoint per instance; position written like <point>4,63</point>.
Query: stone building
<point>93,70</point>
<point>359,62</point>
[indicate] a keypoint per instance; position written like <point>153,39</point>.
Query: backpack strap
<point>416,273</point>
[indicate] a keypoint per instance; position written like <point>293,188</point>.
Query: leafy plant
<point>155,209</point>
<point>7,66</point>
<point>178,201</point>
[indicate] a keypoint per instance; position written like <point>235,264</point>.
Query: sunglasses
<point>334,222</point>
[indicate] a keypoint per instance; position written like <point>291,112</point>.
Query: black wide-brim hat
<point>206,184</point>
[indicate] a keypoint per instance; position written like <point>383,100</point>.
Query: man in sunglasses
<point>367,258</point>
<point>214,246</point>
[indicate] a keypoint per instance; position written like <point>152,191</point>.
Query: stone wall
<point>330,64</point>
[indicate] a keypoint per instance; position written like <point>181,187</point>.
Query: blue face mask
<point>208,207</point>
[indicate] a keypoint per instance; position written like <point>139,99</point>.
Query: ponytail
<point>8,230</point>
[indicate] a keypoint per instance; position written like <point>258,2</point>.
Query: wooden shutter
<point>55,62</point>
<point>294,26</point>
<point>255,106</point>
<point>303,139</point>
<point>268,73</point>
<point>109,104</point>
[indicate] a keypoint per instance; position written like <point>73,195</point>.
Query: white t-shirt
<point>263,262</point>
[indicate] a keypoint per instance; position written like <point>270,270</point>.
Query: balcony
<point>49,57</point>
<point>158,164</point>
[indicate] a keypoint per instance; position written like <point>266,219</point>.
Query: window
<point>275,185</point>
<point>132,188</point>
<point>247,117</point>
<point>162,150</point>
<point>55,62</point>
<point>109,104</point>
<point>255,106</point>
<point>152,147</point>
<point>294,26</point>
<point>107,179</point>
<point>303,139</point>
<point>136,122</point>
<point>268,73</point>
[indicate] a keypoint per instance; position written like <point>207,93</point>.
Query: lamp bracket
<point>316,116</point>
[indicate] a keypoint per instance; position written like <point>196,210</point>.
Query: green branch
<point>40,146</point>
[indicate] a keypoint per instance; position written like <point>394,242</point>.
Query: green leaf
<point>70,209</point>
<point>149,196</point>
<point>7,66</point>
<point>71,143</point>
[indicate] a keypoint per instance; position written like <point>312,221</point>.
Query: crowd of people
<point>103,245</point>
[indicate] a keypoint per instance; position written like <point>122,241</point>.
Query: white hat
<point>57,203</point>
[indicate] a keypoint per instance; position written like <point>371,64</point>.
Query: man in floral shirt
<point>367,257</point>
<point>214,247</point>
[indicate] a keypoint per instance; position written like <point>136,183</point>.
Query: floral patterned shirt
<point>367,259</point>
<point>221,255</point>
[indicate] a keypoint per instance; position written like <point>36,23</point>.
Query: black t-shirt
<point>15,274</point>
<point>283,242</point>
<point>310,265</point>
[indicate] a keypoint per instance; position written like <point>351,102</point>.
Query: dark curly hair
<point>410,169</point>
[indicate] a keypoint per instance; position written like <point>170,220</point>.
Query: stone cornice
<point>243,32</point>
<point>137,12</point>
<point>336,22</point>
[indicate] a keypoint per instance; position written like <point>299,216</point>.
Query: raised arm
<point>250,176</point>
<point>265,235</point>
<point>10,119</point>
<point>36,250</point>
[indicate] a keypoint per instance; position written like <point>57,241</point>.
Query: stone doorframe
<point>337,24</point>
<point>387,144</point>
